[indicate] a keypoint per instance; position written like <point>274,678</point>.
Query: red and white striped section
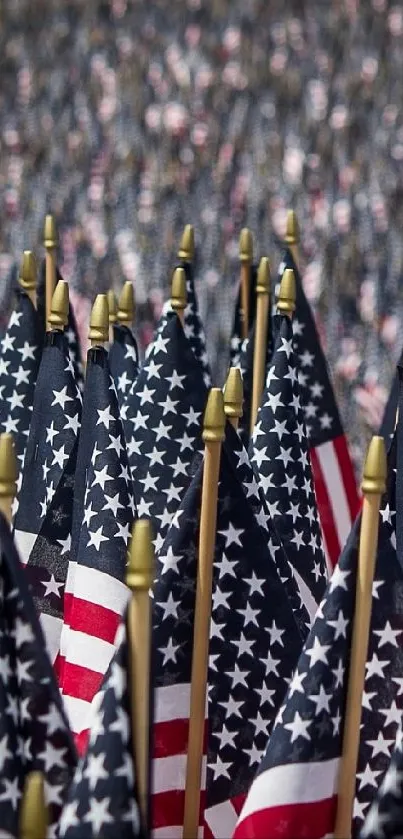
<point>292,801</point>
<point>93,614</point>
<point>168,768</point>
<point>336,495</point>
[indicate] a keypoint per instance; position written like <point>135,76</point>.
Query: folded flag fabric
<point>123,361</point>
<point>384,818</point>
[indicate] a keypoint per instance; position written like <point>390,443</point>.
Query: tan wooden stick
<point>50,243</point>
<point>261,328</point>
<point>246,259</point>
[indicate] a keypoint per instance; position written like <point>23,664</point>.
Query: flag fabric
<point>245,364</point>
<point>295,789</point>
<point>384,819</point>
<point>20,355</point>
<point>96,594</point>
<point>237,340</point>
<point>43,518</point>
<point>102,800</point>
<point>193,325</point>
<point>163,425</point>
<point>34,734</point>
<point>71,331</point>
<point>123,361</point>
<point>333,471</point>
<point>280,458</point>
<point>254,647</point>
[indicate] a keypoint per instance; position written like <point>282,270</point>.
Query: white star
<point>338,579</point>
<point>59,457</point>
<point>387,635</point>
<point>175,380</point>
<point>169,607</point>
<point>98,814</point>
<point>95,770</point>
<point>96,537</point>
<point>105,417</point>
<point>220,768</point>
<point>27,351</point>
<point>73,423</point>
<point>275,634</point>
<point>298,728</point>
<point>169,652</point>
<point>168,406</point>
<point>249,615</point>
<point>115,444</point>
<point>65,544</point>
<point>255,585</point>
<point>380,746</point>
<point>296,684</point>
<point>192,417</point>
<point>340,626</point>
<point>375,667</point>
<point>101,477</point>
<point>112,503</point>
<point>391,714</point>
<point>318,652</point>
<point>52,587</point>
<point>61,397</point>
<point>226,738</point>
<point>321,700</point>
<point>11,792</point>
<point>16,401</point>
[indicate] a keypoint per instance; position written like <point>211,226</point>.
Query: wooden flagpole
<point>213,435</point>
<point>50,243</point>
<point>8,475</point>
<point>126,305</point>
<point>373,486</point>
<point>113,307</point>
<point>233,397</point>
<point>34,817</point>
<point>261,331</point>
<point>178,293</point>
<point>246,259</point>
<point>59,309</point>
<point>99,321</point>
<point>139,578</point>
<point>292,235</point>
<point>27,277</point>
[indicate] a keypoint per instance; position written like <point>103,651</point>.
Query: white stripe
<point>296,783</point>
<point>169,774</point>
<point>333,478</point>
<point>78,713</point>
<point>24,542</point>
<point>306,595</point>
<point>221,820</point>
<point>52,628</point>
<point>172,703</point>
<point>88,651</point>
<point>101,589</point>
<point>69,587</point>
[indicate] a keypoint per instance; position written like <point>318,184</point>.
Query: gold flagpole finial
<point>8,467</point>
<point>233,396</point>
<point>287,294</point>
<point>186,249</point>
<point>34,819</point>
<point>49,233</point>
<point>246,246</point>
<point>59,310</point>
<point>263,276</point>
<point>375,467</point>
<point>178,292</point>
<point>126,307</point>
<point>292,229</point>
<point>99,321</point>
<point>112,306</point>
<point>140,567</point>
<point>27,277</point>
<point>214,417</point>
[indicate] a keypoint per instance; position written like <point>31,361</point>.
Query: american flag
<point>43,518</point>
<point>237,340</point>
<point>295,790</point>
<point>193,326</point>
<point>123,361</point>
<point>71,331</point>
<point>165,413</point>
<point>245,363</point>
<point>254,647</point>
<point>333,472</point>
<point>280,458</point>
<point>34,734</point>
<point>20,355</point>
<point>95,594</point>
<point>384,818</point>
<point>102,800</point>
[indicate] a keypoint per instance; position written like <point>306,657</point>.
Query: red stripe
<point>325,511</point>
<point>170,738</point>
<point>81,741</point>
<point>168,808</point>
<point>290,821</point>
<point>80,682</point>
<point>347,471</point>
<point>94,620</point>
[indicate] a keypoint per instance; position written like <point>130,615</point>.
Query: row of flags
<point>128,444</point>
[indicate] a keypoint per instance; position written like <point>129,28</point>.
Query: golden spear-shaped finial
<point>8,475</point>
<point>99,321</point>
<point>27,277</point>
<point>233,396</point>
<point>292,234</point>
<point>287,295</point>
<point>34,818</point>
<point>126,307</point>
<point>50,243</point>
<point>59,310</point>
<point>186,249</point>
<point>246,259</point>
<point>178,293</point>
<point>139,578</point>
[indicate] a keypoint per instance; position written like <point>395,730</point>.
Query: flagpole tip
<point>246,246</point>
<point>214,417</point>
<point>33,814</point>
<point>263,276</point>
<point>178,290</point>
<point>292,229</point>
<point>99,321</point>
<point>375,467</point>
<point>233,393</point>
<point>59,308</point>
<point>49,233</point>
<point>141,558</point>
<point>126,309</point>
<point>27,276</point>
<point>287,294</point>
<point>186,249</point>
<point>112,306</point>
<point>8,466</point>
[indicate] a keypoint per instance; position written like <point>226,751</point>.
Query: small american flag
<point>237,340</point>
<point>102,801</point>
<point>193,326</point>
<point>71,331</point>
<point>254,646</point>
<point>384,818</point>
<point>34,734</point>
<point>333,472</point>
<point>295,790</point>
<point>123,361</point>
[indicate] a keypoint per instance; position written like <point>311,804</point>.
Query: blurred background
<point>129,118</point>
